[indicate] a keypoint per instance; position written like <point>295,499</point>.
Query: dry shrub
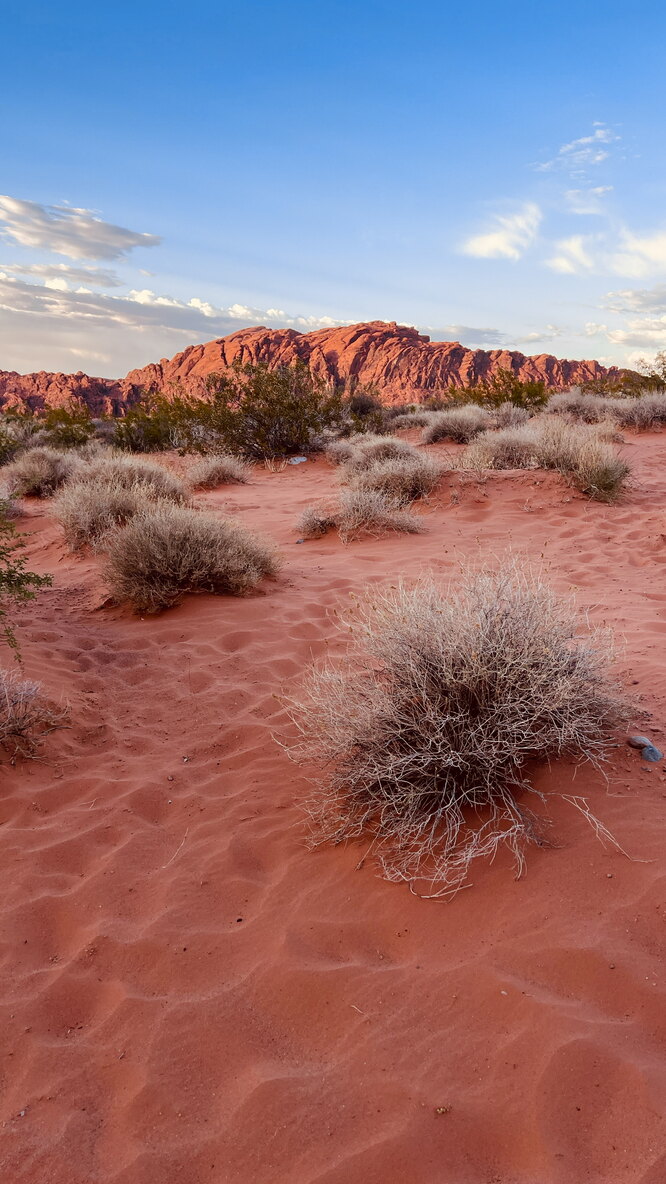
<point>599,472</point>
<point>412,419</point>
<point>25,716</point>
<point>404,479</point>
<point>429,722</point>
<point>460,424</point>
<point>339,452</point>
<point>641,412</point>
<point>579,451</point>
<point>222,469</point>
<point>372,450</point>
<point>131,473</point>
<point>512,448</point>
<point>167,550</point>
<point>359,511</point>
<point>88,510</point>
<point>39,472</point>
<point>508,415</point>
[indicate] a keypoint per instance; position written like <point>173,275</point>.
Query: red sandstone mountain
<point>404,364</point>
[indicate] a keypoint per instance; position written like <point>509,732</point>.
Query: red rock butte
<point>405,366</point>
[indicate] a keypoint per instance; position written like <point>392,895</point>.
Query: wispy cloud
<point>587,201</point>
<point>76,233</point>
<point>578,155</point>
<point>573,255</point>
<point>99,277</point>
<point>638,299</point>
<point>41,326</point>
<point>509,236</point>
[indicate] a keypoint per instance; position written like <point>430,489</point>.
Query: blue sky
<point>490,173</point>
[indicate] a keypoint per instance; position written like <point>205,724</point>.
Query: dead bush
<point>508,415</point>
<point>222,469</point>
<point>38,472</point>
<point>167,550</point>
<point>404,478</point>
<point>130,472</point>
<point>88,510</point>
<point>358,512</point>
<point>460,424</point>
<point>599,472</point>
<point>429,722</point>
<point>512,448</point>
<point>25,715</point>
<point>316,521</point>
<point>412,419</point>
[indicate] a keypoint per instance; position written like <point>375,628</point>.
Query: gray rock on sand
<point>650,751</point>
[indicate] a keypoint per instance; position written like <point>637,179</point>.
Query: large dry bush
<point>641,411</point>
<point>460,424</point>
<point>429,724</point>
<point>39,472</point>
<point>222,469</point>
<point>599,472</point>
<point>412,419</point>
<point>88,510</point>
<point>167,550</point>
<point>25,715</point>
<point>132,473</point>
<point>404,478</point>
<point>359,511</point>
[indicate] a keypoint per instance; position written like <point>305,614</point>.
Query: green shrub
<point>67,427</point>
<point>148,426</point>
<point>17,585</point>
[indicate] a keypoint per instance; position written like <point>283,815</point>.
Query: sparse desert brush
<point>508,415</point>
<point>640,411</point>
<point>88,510</point>
<point>645,412</point>
<point>430,720</point>
<point>403,478</point>
<point>412,419</point>
<point>39,472</point>
<point>129,471</point>
<point>25,715</point>
<point>599,472</point>
<point>359,511</point>
<point>340,451</point>
<point>168,550</point>
<point>371,450</point>
<point>511,448</point>
<point>460,424</point>
<point>224,469</point>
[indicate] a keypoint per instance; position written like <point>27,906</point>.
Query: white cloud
<point>77,233</point>
<point>87,275</point>
<point>638,299</point>
<point>638,255</point>
<point>579,154</point>
<point>510,236</point>
<point>573,255</point>
<point>40,326</point>
<point>587,201</point>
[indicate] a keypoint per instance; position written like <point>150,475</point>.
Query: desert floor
<point>190,995</point>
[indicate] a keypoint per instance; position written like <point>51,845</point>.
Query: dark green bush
<point>68,427</point>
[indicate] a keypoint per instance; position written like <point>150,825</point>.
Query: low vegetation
<point>26,717</point>
<point>223,469</point>
<point>132,473</point>
<point>39,472</point>
<point>359,512</point>
<point>17,584</point>
<point>167,550</point>
<point>431,720</point>
<point>404,479</point>
<point>460,424</point>
<point>88,510</point>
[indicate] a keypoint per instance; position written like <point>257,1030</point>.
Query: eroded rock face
<point>404,364</point>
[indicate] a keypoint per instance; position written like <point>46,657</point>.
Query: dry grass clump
<point>39,472</point>
<point>87,511</point>
<point>411,419</point>
<point>167,550</point>
<point>460,424</point>
<point>359,511</point>
<point>507,415</point>
<point>404,479</point>
<point>511,448</point>
<point>641,412</point>
<point>580,452</point>
<point>25,716</point>
<point>222,469</point>
<point>431,719</point>
<point>131,473</point>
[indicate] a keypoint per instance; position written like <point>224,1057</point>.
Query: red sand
<point>189,995</point>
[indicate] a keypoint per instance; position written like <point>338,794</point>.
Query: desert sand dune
<point>189,995</point>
